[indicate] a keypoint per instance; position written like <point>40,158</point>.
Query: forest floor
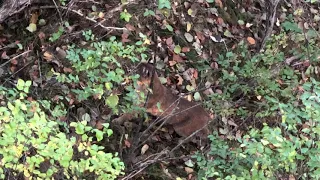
<point>180,36</point>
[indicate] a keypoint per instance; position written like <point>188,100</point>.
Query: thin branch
<point>15,57</point>
<point>87,18</point>
<point>271,20</point>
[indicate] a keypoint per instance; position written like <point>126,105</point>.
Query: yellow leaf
<point>190,11</point>
<point>147,41</point>
<point>189,25</point>
<point>144,148</point>
<point>32,27</point>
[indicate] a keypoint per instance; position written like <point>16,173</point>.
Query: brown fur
<point>186,117</point>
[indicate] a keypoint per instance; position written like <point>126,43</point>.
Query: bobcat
<point>185,117</point>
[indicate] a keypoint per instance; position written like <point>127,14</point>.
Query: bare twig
<point>15,57</point>
<point>87,18</point>
<point>11,7</point>
<point>94,21</point>
<point>57,8</point>
<point>273,4</point>
<point>143,165</point>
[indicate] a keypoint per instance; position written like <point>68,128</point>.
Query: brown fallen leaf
<point>188,170</point>
<point>67,70</point>
<point>195,74</point>
<point>219,3</point>
<point>172,63</point>
<point>4,55</point>
<point>34,17</point>
<point>177,58</point>
<point>185,49</point>
<point>41,35</point>
<point>200,36</point>
<point>130,27</point>
<point>169,41</point>
<point>220,20</point>
<point>14,61</point>
<point>251,40</point>
<point>180,80</point>
<point>127,143</point>
<point>124,37</point>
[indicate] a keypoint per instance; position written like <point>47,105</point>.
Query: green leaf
<point>99,134</point>
<point>79,128</point>
<point>28,83</point>
<point>227,33</point>
<point>148,12</point>
<point>210,1</point>
<point>112,101</point>
<point>109,132</point>
<point>290,26</point>
<point>189,88</point>
<point>177,49</point>
<point>86,117</point>
<point>125,15</point>
<point>240,22</point>
<point>20,46</point>
<point>197,96</point>
<point>20,84</point>
<point>164,4</point>
<point>169,27</point>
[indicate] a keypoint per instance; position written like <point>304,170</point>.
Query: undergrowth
<point>281,137</point>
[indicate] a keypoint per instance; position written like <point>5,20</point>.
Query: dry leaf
<point>13,68</point>
<point>169,41</point>
<point>124,38</point>
<point>99,125</point>
<point>219,91</point>
<point>14,61</point>
<point>61,53</point>
<point>127,143</point>
<point>200,36</point>
<point>231,123</point>
<point>185,49</point>
<point>188,170</point>
<point>4,55</point>
<point>41,35</point>
<point>47,56</point>
<point>220,20</point>
<point>144,148</point>
<point>189,25</point>
<point>259,97</point>
<point>34,18</point>
<point>67,70</point>
<point>101,15</point>
<point>291,177</point>
<point>172,63</point>
<point>177,58</point>
<point>219,3</point>
<point>180,80</point>
<point>130,27</point>
<point>195,74</point>
<point>251,40</point>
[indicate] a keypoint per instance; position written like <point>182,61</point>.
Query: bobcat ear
<point>145,70</point>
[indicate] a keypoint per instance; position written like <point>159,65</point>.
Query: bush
<point>32,144</point>
<point>279,148</point>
